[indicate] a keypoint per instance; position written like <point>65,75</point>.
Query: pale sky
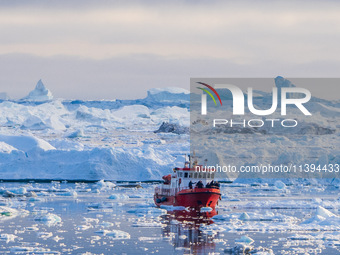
<point>114,49</point>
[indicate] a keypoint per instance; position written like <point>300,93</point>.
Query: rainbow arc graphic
<point>209,93</point>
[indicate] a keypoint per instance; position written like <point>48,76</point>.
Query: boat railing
<point>172,191</point>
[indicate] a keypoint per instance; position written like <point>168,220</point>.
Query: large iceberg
<point>40,93</point>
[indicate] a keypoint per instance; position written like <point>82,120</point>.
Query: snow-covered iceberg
<point>40,93</point>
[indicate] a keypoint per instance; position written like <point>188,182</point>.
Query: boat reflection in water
<point>183,231</point>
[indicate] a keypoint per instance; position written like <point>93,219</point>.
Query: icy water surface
<point>85,218</point>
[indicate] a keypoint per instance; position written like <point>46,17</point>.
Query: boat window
<point>195,175</point>
<point>190,175</point>
<point>180,174</point>
<point>212,175</point>
<point>204,175</point>
<point>208,175</point>
<point>199,175</point>
<point>185,175</point>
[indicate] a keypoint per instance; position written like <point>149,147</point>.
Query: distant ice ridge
<point>40,93</point>
<point>168,94</point>
<point>4,96</point>
<point>156,98</point>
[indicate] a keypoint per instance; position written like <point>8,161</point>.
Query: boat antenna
<point>195,159</point>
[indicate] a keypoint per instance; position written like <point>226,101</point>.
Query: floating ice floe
<point>106,224</point>
<point>248,249</point>
<point>245,239</point>
<point>49,219</point>
<point>105,185</point>
<point>93,206</point>
<point>7,213</point>
<point>206,209</point>
<point>84,227</point>
<point>32,228</point>
<point>148,211</point>
<point>323,217</point>
<point>8,237</point>
<point>172,208</point>
<point>32,250</point>
<point>36,199</point>
<point>121,197</point>
<point>70,193</point>
<point>301,237</point>
<point>114,234</point>
<point>135,196</point>
<point>18,191</point>
<point>279,185</point>
<point>183,237</point>
<point>90,220</point>
<point>44,235</point>
<point>148,224</point>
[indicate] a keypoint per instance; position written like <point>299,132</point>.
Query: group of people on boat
<point>200,185</point>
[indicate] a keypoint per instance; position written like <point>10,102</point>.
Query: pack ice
<point>46,138</point>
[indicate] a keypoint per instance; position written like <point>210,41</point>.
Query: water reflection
<point>182,229</point>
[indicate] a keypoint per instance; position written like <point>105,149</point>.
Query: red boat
<point>190,186</point>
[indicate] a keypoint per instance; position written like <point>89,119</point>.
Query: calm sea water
<point>88,219</point>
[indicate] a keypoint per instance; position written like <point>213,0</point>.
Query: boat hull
<point>194,198</point>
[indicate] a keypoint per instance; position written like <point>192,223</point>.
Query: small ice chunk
<point>115,234</point>
<point>103,185</point>
<point>32,228</point>
<point>152,211</point>
<point>44,235</point>
<point>71,193</point>
<point>36,199</point>
<point>84,227</point>
<point>49,218</point>
<point>75,134</point>
<point>106,224</point>
<point>118,234</point>
<point>242,249</point>
<point>7,237</point>
<point>244,216</point>
<point>87,220</point>
<point>119,197</point>
<point>323,217</point>
<point>245,239</point>
<point>18,191</point>
<point>32,250</point>
<point>206,209</point>
<point>279,185</point>
<point>301,237</point>
<point>324,212</point>
<point>172,208</point>
<point>148,224</point>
